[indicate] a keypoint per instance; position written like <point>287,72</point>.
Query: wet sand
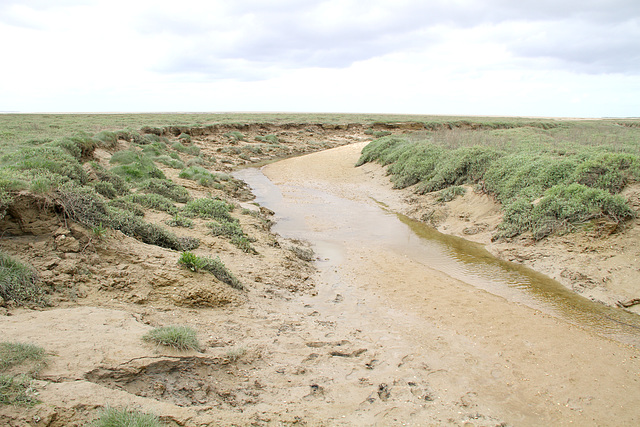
<point>506,361</point>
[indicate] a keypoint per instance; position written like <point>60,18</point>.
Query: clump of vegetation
<point>209,209</point>
<point>179,221</point>
<point>235,136</point>
<point>134,165</point>
<point>174,336</point>
<point>546,181</point>
<point>113,417</point>
<point>272,139</point>
<point>152,201</point>
<point>19,282</point>
<point>214,266</point>
<point>16,353</point>
<point>170,161</point>
<point>200,175</point>
<point>188,243</point>
<point>187,149</point>
<point>166,188</point>
<point>448,194</point>
<point>17,389</point>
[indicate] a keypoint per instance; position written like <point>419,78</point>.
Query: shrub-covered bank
<point>547,179</point>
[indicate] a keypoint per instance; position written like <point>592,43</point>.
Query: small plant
<point>112,417</point>
<point>99,231</point>
<point>191,261</point>
<point>448,194</point>
<point>235,136</point>
<point>175,336</point>
<point>17,390</point>
<point>188,243</point>
<point>218,269</point>
<point>19,282</point>
<point>179,221</point>
<point>15,353</point>
<point>166,188</point>
<point>208,208</point>
<point>236,354</point>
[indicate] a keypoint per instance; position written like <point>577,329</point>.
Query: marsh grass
<point>548,177</point>
<point>208,209</point>
<point>216,267</point>
<point>178,337</point>
<point>200,175</point>
<point>19,282</point>
<point>17,390</point>
<point>114,417</point>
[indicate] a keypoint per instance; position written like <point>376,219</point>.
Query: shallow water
<point>329,222</point>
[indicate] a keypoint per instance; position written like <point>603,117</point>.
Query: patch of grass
<point>113,417</point>
<point>17,390</point>
<point>81,145</point>
<point>448,194</point>
<point>214,266</point>
<point>179,221</point>
<point>127,206</point>
<point>175,336</point>
<point>170,161</point>
<point>190,261</point>
<point>133,165</point>
<point>136,227</point>
<point>153,201</point>
<point>208,209</point>
<point>19,282</point>
<point>166,188</point>
<point>186,149</point>
<point>235,136</point>
<point>105,176</point>
<point>199,174</point>
<point>272,139</point>
<point>16,353</point>
<point>48,158</point>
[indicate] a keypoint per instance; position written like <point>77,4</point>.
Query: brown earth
<point>289,351</point>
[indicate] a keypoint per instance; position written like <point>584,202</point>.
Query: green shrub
<point>220,271</point>
<point>136,227</point>
<point>48,159</point>
<point>213,266</point>
<point>105,189</point>
<point>187,149</point>
<point>112,417</point>
<point>169,161</point>
<point>166,188</point>
<point>185,138</point>
<point>199,174</point>
<point>118,183</point>
<point>235,135</point>
<point>135,166</point>
<point>79,146</point>
<point>82,204</point>
<point>107,139</point>
<point>152,201</point>
<point>209,209</point>
<point>175,336</point>
<point>126,205</point>
<point>19,282</point>
<point>179,221</point>
<point>188,243</point>
<point>190,261</point>
<point>233,231</point>
<point>448,194</point>
<point>272,139</point>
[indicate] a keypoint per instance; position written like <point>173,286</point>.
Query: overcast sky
<point>571,58</point>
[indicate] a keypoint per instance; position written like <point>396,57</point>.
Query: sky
<point>551,58</point>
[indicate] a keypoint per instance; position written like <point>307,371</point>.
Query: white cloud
<point>492,57</point>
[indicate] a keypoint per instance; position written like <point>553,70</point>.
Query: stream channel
<point>313,212</point>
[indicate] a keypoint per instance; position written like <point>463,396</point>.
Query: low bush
<point>112,417</point>
<point>179,221</point>
<point>214,266</point>
<point>448,194</point>
<point>48,158</point>
<point>169,161</point>
<point>166,188</point>
<point>19,282</point>
<point>187,149</point>
<point>199,174</point>
<point>208,209</point>
<point>152,201</point>
<point>234,232</point>
<point>175,336</point>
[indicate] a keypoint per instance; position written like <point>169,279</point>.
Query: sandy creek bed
<point>383,339</point>
<point>466,351</point>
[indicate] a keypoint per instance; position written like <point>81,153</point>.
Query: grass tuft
<point>113,417</point>
<point>175,336</point>
<point>19,282</point>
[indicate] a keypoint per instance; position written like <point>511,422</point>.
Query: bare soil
<point>289,349</point>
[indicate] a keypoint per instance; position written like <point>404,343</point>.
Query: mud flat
<point>476,353</point>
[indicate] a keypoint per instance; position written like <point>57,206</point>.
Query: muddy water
<point>333,223</point>
<point>438,317</point>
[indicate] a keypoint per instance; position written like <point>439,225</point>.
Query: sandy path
<point>473,349</point>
